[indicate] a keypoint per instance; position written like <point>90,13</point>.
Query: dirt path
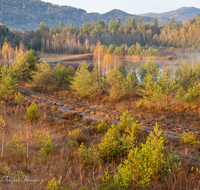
<point>32,96</point>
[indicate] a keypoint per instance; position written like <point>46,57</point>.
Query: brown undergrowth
<point>64,164</point>
<point>176,115</point>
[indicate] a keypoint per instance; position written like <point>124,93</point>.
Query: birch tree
<point>7,53</point>
<point>98,56</point>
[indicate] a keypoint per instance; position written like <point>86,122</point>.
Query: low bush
<point>118,84</point>
<point>120,139</point>
<point>40,137</point>
<point>129,84</point>
<point>47,148</point>
<point>137,50</point>
<point>160,91</point>
<point>18,176</point>
<point>102,127</point>
<point>140,104</point>
<point>128,139</point>
<point>110,147</point>
<point>145,163</point>
<point>189,139</point>
<point>127,123</point>
<point>32,112</point>
<point>151,51</point>
<point>8,83</point>
<point>75,134</point>
<point>61,77</point>
<point>107,184</point>
<point>119,51</point>
<point>15,146</point>
<point>151,68</point>
<point>185,75</point>
<point>90,156</point>
<point>72,143</point>
<point>55,185</point>
<point>114,81</point>
<point>131,50</point>
<point>191,95</point>
<point>6,171</point>
<point>111,48</point>
<point>85,83</point>
<point>42,76</point>
<point>131,130</point>
<point>19,99</point>
<point>25,64</point>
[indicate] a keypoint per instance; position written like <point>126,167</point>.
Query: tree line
<point>70,39</point>
<point>156,85</point>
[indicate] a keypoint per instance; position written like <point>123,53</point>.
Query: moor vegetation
<point>97,126</point>
<point>62,154</point>
<point>64,150</point>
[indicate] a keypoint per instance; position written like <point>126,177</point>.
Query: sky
<point>129,6</point>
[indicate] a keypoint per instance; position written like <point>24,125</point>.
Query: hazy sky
<point>129,6</point>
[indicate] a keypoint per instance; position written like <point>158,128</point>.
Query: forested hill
<point>27,14</point>
<point>180,15</point>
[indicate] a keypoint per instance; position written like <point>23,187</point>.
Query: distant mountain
<point>27,14</point>
<point>180,15</point>
<point>115,13</point>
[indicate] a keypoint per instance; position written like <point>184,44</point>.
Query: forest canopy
<point>75,40</point>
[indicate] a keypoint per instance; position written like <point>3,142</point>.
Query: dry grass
<point>53,57</point>
<point>64,164</point>
<point>177,114</point>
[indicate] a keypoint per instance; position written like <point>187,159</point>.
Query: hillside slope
<point>180,15</point>
<point>27,14</point>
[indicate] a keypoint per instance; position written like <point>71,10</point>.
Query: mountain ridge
<point>24,15</point>
<point>180,14</point>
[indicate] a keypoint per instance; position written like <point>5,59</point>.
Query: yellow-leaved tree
<point>107,63</point>
<point>7,53</point>
<point>98,56</point>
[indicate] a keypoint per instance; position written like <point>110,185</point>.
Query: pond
<point>131,64</point>
<point>173,64</point>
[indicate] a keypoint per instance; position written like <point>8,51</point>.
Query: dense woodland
<point>22,13</point>
<point>70,39</point>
